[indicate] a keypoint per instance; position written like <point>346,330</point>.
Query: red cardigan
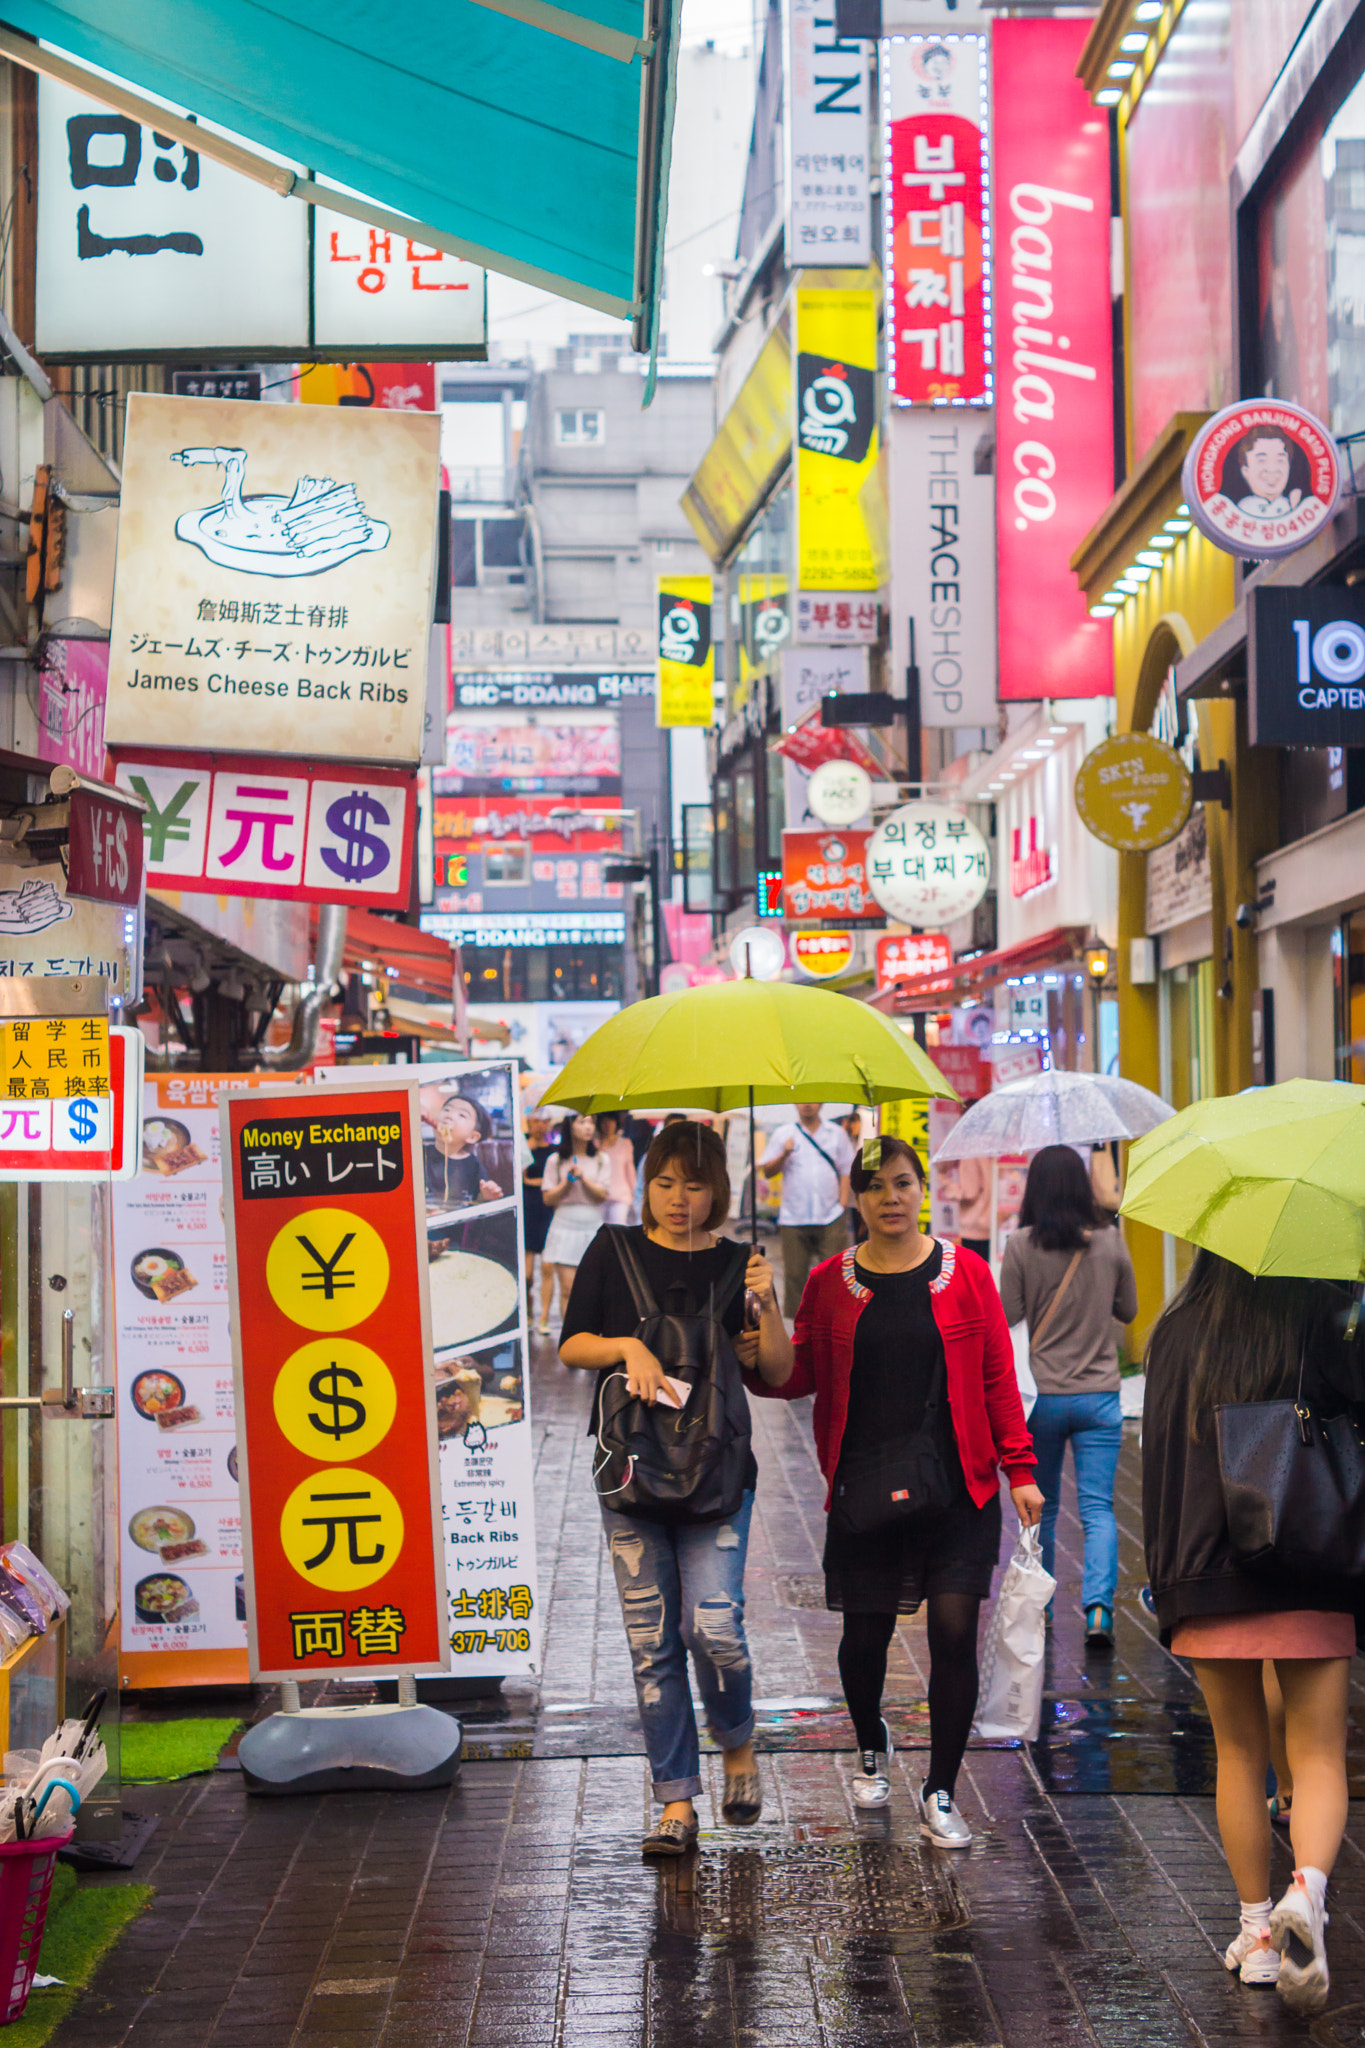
<point>983,1394</point>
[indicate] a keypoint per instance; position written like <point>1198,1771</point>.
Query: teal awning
<point>530,138</point>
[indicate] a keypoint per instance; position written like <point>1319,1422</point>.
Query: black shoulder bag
<point>902,1480</point>
<point>670,1464</point>
<point>1293,1487</point>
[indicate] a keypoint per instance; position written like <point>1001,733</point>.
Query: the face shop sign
<point>1306,667</point>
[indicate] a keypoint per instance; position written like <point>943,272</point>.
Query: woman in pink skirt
<point>1226,1339</point>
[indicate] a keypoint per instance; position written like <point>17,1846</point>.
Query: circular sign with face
<point>758,952</point>
<point>822,955</point>
<point>1133,792</point>
<point>1261,478</point>
<point>839,793</point>
<point>927,864</point>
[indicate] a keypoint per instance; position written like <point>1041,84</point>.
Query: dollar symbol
<point>84,1121</point>
<point>363,856</point>
<point>332,1397</point>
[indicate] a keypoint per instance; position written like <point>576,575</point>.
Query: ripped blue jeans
<point>682,1589</point>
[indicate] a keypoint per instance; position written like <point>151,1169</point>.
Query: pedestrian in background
<point>813,1157</point>
<point>1227,1338</point>
<point>903,1339</point>
<point>1071,1280</point>
<point>852,1127</point>
<point>574,1188</point>
<point>535,1217</point>
<point>681,1584</point>
<point>616,1148</point>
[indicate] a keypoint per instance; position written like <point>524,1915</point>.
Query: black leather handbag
<point>1293,1487</point>
<point>904,1479</point>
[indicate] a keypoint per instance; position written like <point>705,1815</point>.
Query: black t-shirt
<point>533,1203</point>
<point>897,1355</point>
<point>601,1304</point>
<point>453,1181</point>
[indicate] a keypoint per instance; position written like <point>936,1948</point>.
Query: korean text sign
<point>938,345</point>
<point>285,829</point>
<point>327,1258</point>
<point>274,579</point>
<point>1054,420</point>
<point>829,204</point>
<point>824,874</point>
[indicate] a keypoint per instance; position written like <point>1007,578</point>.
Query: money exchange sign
<point>331,1334</point>
<point>295,830</point>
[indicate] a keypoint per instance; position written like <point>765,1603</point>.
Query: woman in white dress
<point>575,1188</point>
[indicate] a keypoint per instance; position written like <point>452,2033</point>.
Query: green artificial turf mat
<point>83,1923</point>
<point>153,1752</point>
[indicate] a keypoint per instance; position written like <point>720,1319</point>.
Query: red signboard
<point>331,1337</point>
<point>824,874</point>
<point>938,342</point>
<point>810,744</point>
<point>965,1068</point>
<point>1055,406</point>
<point>104,858</point>
<point>903,956</point>
<point>257,825</point>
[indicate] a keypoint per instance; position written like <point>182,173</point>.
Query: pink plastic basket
<point>26,1870</point>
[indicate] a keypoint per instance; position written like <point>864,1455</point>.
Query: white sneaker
<point>872,1779</point>
<point>1296,1927</point>
<point>1252,1958</point>
<point>941,1821</point>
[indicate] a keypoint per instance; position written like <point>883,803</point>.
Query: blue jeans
<point>1093,1425</point>
<point>682,1588</point>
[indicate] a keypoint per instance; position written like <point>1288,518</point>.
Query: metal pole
<point>753,1177</point>
<point>656,911</point>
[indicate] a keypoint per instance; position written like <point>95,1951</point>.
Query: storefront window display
<point>1348,976</point>
<point>542,974</point>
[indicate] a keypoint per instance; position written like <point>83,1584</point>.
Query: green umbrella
<point>1273,1179</point>
<point>732,1044</point>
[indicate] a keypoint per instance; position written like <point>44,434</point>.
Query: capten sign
<point>928,864</point>
<point>1261,478</point>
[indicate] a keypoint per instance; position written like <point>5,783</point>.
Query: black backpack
<point>668,1464</point>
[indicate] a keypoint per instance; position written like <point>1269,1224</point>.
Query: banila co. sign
<point>1306,667</point>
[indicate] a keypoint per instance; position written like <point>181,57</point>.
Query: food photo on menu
<point>160,1274</point>
<point>474,1278</point>
<point>479,1391</point>
<point>160,1397</point>
<point>167,1147</point>
<point>469,1139</point>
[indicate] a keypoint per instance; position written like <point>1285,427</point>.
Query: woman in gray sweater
<point>1068,1274</point>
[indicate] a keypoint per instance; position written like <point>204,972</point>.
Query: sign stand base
<point>380,1748</point>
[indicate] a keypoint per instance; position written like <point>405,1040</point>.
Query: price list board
<point>181,1592</point>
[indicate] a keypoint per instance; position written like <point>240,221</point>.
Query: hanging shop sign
<point>836,438</point>
<point>274,579</point>
<point>751,449</point>
<point>824,874</point>
<point>808,675</point>
<point>1180,877</point>
<point>331,1335</point>
<point>546,689</point>
<point>943,543</point>
<point>1261,478</point>
<point>839,793</point>
<point>910,956</point>
<point>104,849</point>
<point>292,830</point>
<point>146,248</point>
<point>823,955</point>
<point>938,253</point>
<point>1054,322</point>
<point>45,930</point>
<point>70,1099</point>
<point>1133,792</point>
<point>479,1381</point>
<point>828,93</point>
<point>835,618</point>
<point>758,952</point>
<point>1306,668</point>
<point>927,864</point>
<point>687,656</point>
<point>72,685</point>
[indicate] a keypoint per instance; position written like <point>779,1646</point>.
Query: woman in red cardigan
<point>884,1333</point>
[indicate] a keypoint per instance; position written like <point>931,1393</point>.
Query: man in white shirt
<point>813,1158</point>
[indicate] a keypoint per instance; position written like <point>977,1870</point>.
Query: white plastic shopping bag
<point>1010,1708</point>
<point>1023,1367</point>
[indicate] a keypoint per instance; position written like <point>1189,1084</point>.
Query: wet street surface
<point>1092,1907</point>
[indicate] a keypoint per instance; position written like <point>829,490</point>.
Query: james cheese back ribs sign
<point>331,1337</point>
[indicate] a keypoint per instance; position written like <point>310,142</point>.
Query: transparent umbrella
<point>1055,1108</point>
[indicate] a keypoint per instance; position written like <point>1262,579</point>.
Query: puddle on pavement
<point>837,1886</point>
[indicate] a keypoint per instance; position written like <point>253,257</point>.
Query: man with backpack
<point>813,1157</point>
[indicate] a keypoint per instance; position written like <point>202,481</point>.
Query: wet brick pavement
<point>514,1909</point>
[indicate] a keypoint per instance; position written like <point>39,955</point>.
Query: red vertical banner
<point>936,154</point>
<point>1054,460</point>
<point>331,1330</point>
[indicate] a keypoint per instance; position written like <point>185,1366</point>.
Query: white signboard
<point>147,247</point>
<point>943,547</point>
<point>273,589</point>
<point>45,931</point>
<point>829,204</point>
<point>927,864</point>
<point>808,674</point>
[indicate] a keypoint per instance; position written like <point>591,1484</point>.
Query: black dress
<point>897,1355</point>
<point>535,1212</point>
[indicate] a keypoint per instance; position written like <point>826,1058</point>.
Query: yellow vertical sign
<point>49,1059</point>
<point>909,1119</point>
<point>837,439</point>
<point>687,655</point>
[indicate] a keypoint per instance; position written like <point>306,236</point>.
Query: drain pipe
<point>287,1059</point>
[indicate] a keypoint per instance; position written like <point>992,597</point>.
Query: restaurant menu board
<point>181,1600</point>
<point>345,1568</point>
<point>478,1376</point>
